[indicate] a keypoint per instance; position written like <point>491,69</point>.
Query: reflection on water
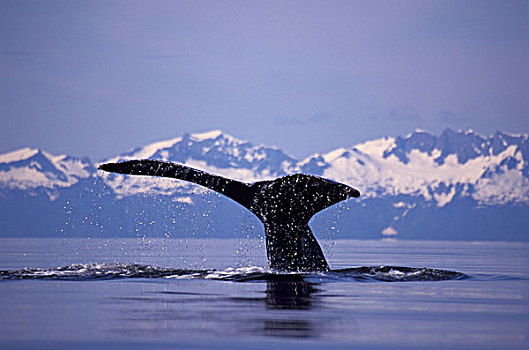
<point>135,303</point>
<point>280,309</point>
<point>295,295</point>
<point>288,328</point>
<point>289,295</point>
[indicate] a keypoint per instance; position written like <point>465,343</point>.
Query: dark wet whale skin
<point>284,206</point>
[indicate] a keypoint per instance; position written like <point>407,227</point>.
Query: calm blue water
<point>142,294</point>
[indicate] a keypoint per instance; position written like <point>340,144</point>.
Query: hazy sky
<point>97,78</point>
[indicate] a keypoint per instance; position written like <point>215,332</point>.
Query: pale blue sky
<point>97,78</point>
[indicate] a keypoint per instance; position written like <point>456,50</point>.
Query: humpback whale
<point>284,206</point>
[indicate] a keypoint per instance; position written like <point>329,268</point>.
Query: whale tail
<point>284,206</point>
<point>236,190</point>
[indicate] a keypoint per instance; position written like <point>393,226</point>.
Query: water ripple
<point>96,271</point>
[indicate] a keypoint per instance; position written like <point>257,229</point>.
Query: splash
<point>96,271</point>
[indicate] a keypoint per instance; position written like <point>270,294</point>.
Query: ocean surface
<point>194,294</point>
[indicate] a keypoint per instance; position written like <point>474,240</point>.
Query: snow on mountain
<point>212,151</point>
<point>438,169</point>
<point>18,155</point>
<point>28,168</point>
<point>218,152</point>
<point>490,170</point>
<point>458,185</point>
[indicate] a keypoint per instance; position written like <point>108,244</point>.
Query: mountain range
<point>457,185</point>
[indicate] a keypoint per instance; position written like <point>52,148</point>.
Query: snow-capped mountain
<point>218,152</point>
<point>214,151</point>
<point>402,179</point>
<point>491,170</point>
<point>30,168</point>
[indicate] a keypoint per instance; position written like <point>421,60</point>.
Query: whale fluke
<point>284,206</point>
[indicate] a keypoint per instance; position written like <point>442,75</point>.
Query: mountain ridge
<point>401,178</point>
<point>416,164</point>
